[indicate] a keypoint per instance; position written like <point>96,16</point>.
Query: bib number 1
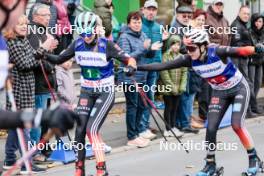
<point>91,73</point>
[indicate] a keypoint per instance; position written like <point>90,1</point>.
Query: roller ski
<point>80,169</point>
<point>255,166</point>
<point>210,169</point>
<point>101,170</point>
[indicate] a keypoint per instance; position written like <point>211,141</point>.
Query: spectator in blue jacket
<point>134,42</point>
<point>152,29</point>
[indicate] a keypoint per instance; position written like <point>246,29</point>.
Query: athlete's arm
<point>63,57</point>
<point>225,51</point>
<point>181,61</point>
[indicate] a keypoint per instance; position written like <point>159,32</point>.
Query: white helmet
<point>198,36</point>
<point>86,22</point>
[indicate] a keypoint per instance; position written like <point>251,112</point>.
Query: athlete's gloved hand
<point>59,118</point>
<point>259,48</point>
<point>131,67</point>
<point>130,71</point>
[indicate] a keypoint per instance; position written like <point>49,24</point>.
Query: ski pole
<point>47,81</point>
<point>20,132</point>
<point>156,110</point>
<point>146,105</point>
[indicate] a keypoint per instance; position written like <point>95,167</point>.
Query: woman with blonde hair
<point>22,56</point>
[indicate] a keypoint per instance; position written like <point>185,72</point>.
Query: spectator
<point>152,29</point>
<point>204,95</point>
<point>182,24</point>
<point>53,12</point>
<point>199,18</point>
<point>116,25</point>
<point>103,9</point>
<point>65,83</point>
<point>215,19</point>
<point>71,9</point>
<point>176,79</point>
<point>243,38</point>
<point>64,35</point>
<point>22,56</point>
<point>134,42</point>
<point>190,3</point>
<point>255,63</point>
<point>40,21</point>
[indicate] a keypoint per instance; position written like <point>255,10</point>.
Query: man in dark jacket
<point>40,21</point>
<point>243,38</point>
<point>53,12</point>
<point>255,69</point>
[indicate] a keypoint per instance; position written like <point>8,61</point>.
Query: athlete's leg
<point>98,114</point>
<point>240,105</point>
<point>83,109</point>
<point>217,109</point>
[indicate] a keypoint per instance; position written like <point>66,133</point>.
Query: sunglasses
<point>86,35</point>
<point>219,4</point>
<point>187,16</point>
<point>191,48</point>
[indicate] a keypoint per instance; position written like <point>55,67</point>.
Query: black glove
<point>60,118</point>
<point>130,71</point>
<point>259,48</point>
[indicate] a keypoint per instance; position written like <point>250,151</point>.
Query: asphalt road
<point>157,161</point>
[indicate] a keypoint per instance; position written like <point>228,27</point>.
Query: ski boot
<point>79,168</point>
<point>101,169</point>
<point>255,166</point>
<point>210,169</point>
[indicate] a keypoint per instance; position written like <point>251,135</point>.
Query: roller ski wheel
<point>219,172</point>
<point>79,169</point>
<point>211,170</point>
<point>253,171</point>
<point>103,175</point>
